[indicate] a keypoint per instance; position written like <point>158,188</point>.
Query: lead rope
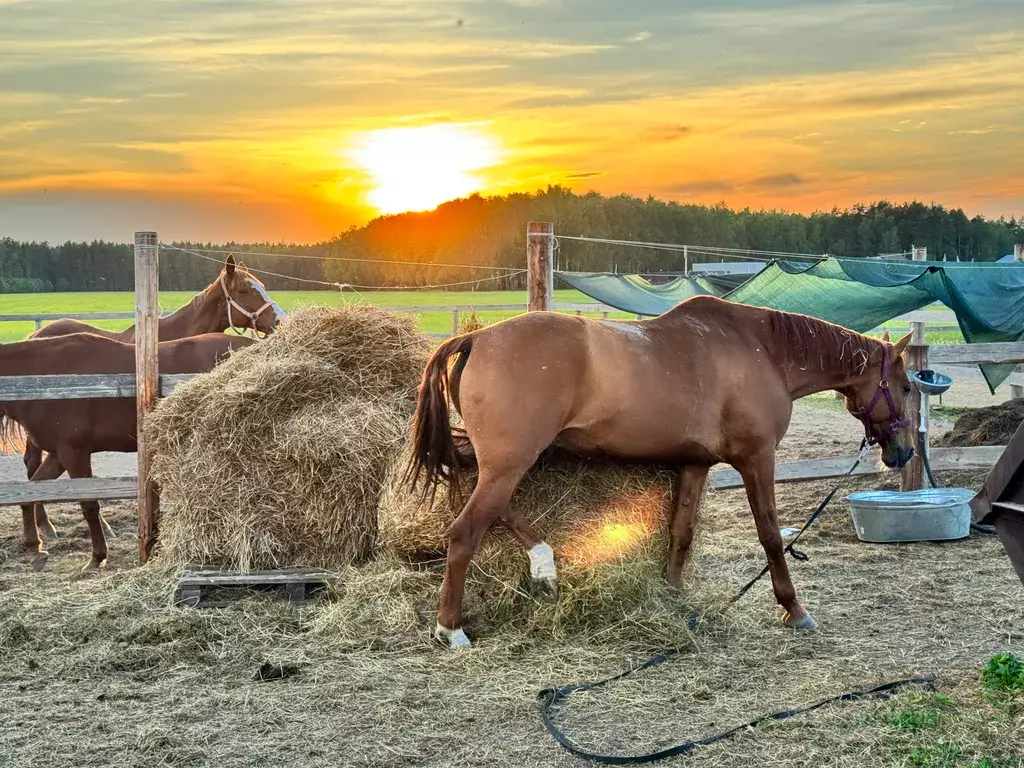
<point>549,697</point>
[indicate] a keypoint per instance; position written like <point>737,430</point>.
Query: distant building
<point>728,268</point>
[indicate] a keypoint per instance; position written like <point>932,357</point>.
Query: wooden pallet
<point>293,583</point>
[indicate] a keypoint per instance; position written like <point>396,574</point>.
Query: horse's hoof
<point>108,531</point>
<point>95,564</point>
<point>451,638</point>
<point>545,590</point>
<point>805,623</point>
<point>39,561</point>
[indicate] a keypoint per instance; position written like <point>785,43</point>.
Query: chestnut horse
<point>235,299</point>
<point>709,381</point>
<point>72,430</point>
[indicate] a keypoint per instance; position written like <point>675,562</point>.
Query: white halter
<point>252,316</point>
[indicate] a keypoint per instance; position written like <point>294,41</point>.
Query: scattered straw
<point>607,525</point>
<point>994,425</point>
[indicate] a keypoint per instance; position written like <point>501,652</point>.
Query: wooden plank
<point>228,578</point>
<point>905,328</point>
<point>23,318</point>
<point>54,491</point>
<point>81,387</point>
<point>417,308</point>
<point>978,457</point>
<point>980,354</point>
<point>1011,505</point>
<point>293,583</point>
<point>147,379</point>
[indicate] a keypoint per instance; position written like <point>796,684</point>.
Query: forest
<point>461,242</point>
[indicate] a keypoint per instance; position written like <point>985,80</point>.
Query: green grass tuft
<point>1003,673</point>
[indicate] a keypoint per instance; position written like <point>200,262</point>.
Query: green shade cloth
<point>860,294</point>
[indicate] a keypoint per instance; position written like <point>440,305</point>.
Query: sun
<point>418,168</point>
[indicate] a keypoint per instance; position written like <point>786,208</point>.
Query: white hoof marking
<point>542,563</point>
<point>455,638</point>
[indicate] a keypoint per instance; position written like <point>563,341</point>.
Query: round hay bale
<point>277,457</point>
<point>606,523</point>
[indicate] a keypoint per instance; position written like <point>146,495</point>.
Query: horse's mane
<point>798,340</point>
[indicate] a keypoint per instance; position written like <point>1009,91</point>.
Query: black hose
<point>922,447</point>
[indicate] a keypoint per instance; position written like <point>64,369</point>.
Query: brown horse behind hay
<point>709,381</point>
<point>235,299</point>
<point>70,431</point>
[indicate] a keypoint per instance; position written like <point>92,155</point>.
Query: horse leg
<point>543,573</point>
<point>34,458</point>
<point>759,480</point>
<point>33,543</point>
<point>79,465</point>
<point>43,519</point>
<point>688,491</point>
<point>487,503</point>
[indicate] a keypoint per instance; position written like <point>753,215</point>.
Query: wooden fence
<point>456,310</point>
<point>146,384</point>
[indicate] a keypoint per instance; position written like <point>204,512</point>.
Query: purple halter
<point>882,390</point>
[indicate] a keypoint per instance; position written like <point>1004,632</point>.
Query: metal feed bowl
<point>930,382</point>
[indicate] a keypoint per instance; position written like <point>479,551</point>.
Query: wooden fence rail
<point>82,386</point>
<point>113,488</point>
<point>455,309</point>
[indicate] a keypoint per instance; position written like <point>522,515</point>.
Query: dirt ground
<point>101,670</point>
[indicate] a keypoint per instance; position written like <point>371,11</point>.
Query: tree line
<point>464,240</point>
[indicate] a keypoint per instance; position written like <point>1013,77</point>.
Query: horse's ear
<point>900,346</point>
<point>229,265</point>
<point>885,337</point>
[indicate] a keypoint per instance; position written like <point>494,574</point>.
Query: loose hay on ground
<point>277,457</point>
<point>993,425</point>
<point>101,670</point>
<point>607,525</point>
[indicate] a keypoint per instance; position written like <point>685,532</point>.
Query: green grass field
<point>62,304</point>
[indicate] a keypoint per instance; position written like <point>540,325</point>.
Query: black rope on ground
<point>550,697</point>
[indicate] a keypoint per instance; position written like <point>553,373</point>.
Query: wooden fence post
<point>912,475</point>
<point>456,324</point>
<point>540,257</point>
<point>147,373</point>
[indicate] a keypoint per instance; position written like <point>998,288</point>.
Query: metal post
<point>686,259</point>
<point>147,319</point>
<point>1018,252</point>
<point>540,252</point>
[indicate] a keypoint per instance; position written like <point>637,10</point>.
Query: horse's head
<point>248,304</point>
<point>878,398</point>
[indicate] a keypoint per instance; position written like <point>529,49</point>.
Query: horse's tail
<point>12,435</point>
<point>434,453</point>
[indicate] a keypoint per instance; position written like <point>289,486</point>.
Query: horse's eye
<point>906,389</point>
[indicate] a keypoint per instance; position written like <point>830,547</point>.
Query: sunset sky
<point>294,119</point>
